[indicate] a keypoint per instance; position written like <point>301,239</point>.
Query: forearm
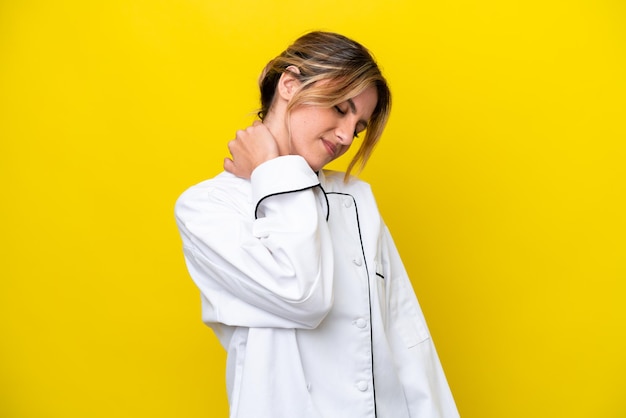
<point>279,263</point>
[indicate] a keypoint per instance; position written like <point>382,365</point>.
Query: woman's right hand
<point>250,148</point>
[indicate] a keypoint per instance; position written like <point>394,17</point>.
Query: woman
<point>299,277</point>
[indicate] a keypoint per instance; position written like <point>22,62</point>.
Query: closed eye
<point>362,124</point>
<point>341,112</point>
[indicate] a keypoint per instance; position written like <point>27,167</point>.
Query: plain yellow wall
<point>501,175</point>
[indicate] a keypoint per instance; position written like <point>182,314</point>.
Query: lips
<point>330,147</point>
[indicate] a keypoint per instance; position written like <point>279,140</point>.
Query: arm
<point>259,251</point>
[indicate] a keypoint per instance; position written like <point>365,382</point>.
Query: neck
<point>278,127</point>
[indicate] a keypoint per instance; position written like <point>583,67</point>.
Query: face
<point>321,135</point>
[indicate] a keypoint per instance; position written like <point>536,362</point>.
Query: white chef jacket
<point>302,284</point>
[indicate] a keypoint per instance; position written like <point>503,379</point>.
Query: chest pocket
<point>408,317</point>
<point>401,310</point>
<point>381,286</point>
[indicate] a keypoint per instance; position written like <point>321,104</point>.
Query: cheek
<point>300,125</point>
<point>315,118</point>
<point>311,122</point>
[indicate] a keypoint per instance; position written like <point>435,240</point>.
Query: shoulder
<point>334,182</point>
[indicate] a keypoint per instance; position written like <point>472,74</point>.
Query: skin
<point>318,134</point>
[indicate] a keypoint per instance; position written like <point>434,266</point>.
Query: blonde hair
<point>347,69</point>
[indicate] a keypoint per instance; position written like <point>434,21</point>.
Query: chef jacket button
<point>347,202</point>
<point>357,261</point>
<point>360,323</point>
<point>361,385</point>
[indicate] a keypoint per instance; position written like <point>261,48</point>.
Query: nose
<point>345,132</point>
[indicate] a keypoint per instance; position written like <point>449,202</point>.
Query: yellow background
<point>501,175</point>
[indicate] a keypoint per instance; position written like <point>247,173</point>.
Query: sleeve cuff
<point>284,174</point>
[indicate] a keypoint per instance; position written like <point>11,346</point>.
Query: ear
<point>289,84</point>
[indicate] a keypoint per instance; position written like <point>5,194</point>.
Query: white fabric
<point>301,282</point>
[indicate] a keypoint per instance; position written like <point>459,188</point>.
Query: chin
<point>316,165</point>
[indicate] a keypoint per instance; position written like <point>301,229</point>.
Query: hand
<point>250,148</point>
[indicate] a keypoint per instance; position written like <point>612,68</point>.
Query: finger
<point>240,133</point>
<point>229,165</point>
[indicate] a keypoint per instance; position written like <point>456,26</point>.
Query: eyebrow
<point>352,105</point>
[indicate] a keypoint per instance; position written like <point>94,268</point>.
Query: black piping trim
<point>327,204</point>
<point>369,293</point>
<point>380,275</point>
<point>256,209</point>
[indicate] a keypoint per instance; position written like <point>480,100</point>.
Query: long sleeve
<point>260,250</point>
